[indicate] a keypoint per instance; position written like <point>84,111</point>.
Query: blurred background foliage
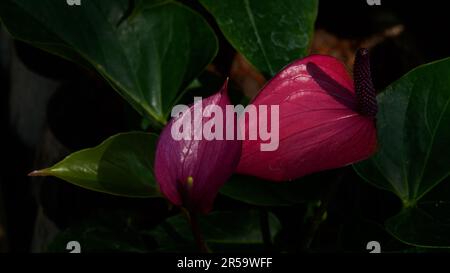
<point>119,66</point>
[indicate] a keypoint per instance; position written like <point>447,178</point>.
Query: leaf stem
<point>196,231</point>
<point>316,220</point>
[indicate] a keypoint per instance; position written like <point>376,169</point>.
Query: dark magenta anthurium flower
<point>191,170</point>
<point>325,119</point>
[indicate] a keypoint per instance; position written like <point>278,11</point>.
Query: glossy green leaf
<point>219,229</point>
<point>413,157</point>
<point>426,226</point>
<point>121,165</point>
<point>256,191</point>
<point>270,34</point>
<point>148,54</point>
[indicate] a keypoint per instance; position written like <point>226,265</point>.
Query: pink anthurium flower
<point>190,168</point>
<point>326,120</point>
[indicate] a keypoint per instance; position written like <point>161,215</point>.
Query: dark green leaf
<point>413,127</point>
<point>270,34</point>
<point>427,225</point>
<point>219,229</point>
<point>148,54</point>
<point>255,191</point>
<point>121,165</point>
<point>413,158</point>
<point>106,233</point>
